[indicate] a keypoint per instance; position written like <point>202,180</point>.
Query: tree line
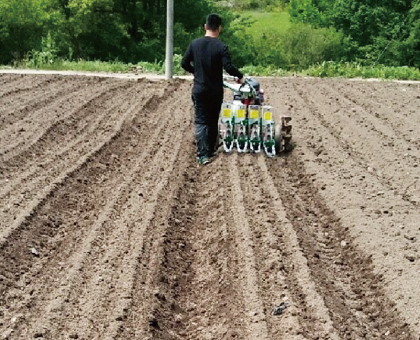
<point>363,31</point>
<point>127,30</point>
<point>374,31</point>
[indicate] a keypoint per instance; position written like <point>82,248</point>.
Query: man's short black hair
<point>213,22</point>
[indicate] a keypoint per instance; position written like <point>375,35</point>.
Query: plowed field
<point>110,230</point>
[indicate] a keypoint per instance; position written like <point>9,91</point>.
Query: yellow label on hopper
<point>240,114</point>
<point>227,113</point>
<point>268,115</point>
<point>254,114</point>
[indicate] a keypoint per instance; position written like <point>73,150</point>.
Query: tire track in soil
<point>343,274</point>
<point>66,254</point>
<point>277,279</point>
<point>258,323</point>
<point>208,284</point>
<point>353,193</point>
<point>66,141</point>
<point>304,285</point>
<point>191,280</point>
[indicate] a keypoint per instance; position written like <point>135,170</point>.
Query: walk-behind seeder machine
<point>248,126</point>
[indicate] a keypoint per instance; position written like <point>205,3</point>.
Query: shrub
<point>305,46</point>
<point>356,70</point>
<point>47,54</point>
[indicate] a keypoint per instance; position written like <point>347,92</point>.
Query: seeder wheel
<point>278,137</point>
<point>286,128</point>
<point>283,135</point>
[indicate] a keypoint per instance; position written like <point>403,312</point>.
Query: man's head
<point>213,23</point>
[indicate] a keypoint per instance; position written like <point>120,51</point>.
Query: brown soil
<point>109,229</point>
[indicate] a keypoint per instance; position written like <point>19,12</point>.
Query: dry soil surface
<point>110,230</point>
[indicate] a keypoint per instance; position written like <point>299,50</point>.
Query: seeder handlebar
<point>245,87</point>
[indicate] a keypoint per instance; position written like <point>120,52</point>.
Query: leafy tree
<point>406,47</point>
<point>315,12</point>
<point>305,46</point>
<point>93,29</point>
<point>128,30</point>
<point>22,24</point>
<point>237,36</point>
<point>372,25</point>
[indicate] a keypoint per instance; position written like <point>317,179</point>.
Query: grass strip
<point>324,70</point>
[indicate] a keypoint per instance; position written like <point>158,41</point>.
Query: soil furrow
<point>8,79</point>
<point>19,89</point>
<point>60,132</point>
<point>254,308</point>
<point>275,268</point>
<point>198,285</point>
<point>375,216</point>
<point>387,112</point>
<point>13,249</point>
<point>27,132</point>
<point>302,273</point>
<point>116,260</point>
<point>76,137</point>
<point>369,153</point>
<point>110,230</point>
<point>99,169</point>
<point>15,200</point>
<point>164,189</point>
<point>17,109</point>
<point>344,276</point>
<point>402,98</point>
<point>30,208</point>
<point>12,82</point>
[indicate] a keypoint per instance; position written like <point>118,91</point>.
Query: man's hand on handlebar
<point>239,81</point>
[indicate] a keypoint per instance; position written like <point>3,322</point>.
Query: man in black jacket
<point>206,58</point>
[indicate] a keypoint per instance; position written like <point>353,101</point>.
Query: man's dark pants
<point>207,109</point>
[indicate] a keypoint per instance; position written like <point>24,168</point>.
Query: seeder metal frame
<point>249,127</point>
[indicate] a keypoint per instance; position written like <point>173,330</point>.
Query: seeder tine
<point>287,139</point>
<point>287,143</point>
<point>287,129</point>
<point>285,120</point>
<point>270,152</point>
<point>228,147</point>
<point>256,149</point>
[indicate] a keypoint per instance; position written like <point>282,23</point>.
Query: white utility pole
<point>169,64</point>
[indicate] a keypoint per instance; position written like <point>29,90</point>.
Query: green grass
<point>101,66</point>
<point>326,69</point>
<point>265,71</point>
<point>273,21</point>
<point>85,66</point>
<point>355,70</point>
